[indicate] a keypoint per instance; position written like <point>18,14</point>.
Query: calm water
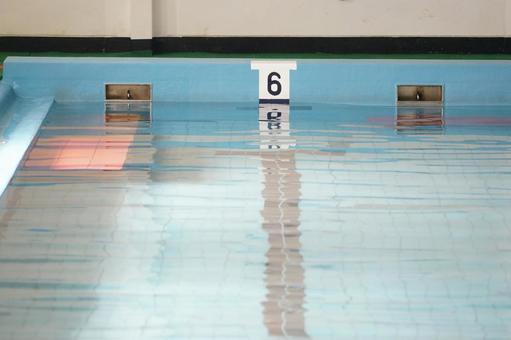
<point>343,222</point>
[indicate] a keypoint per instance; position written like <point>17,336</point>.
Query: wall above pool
<point>370,82</point>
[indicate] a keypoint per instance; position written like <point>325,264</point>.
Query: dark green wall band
<point>370,45</point>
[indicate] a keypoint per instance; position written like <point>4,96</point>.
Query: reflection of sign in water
<point>274,113</point>
<point>126,112</point>
<point>274,127</point>
<point>284,303</point>
<point>283,307</point>
<point>419,120</point>
<point>284,275</point>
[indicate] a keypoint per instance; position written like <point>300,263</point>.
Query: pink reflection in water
<point>80,152</point>
<point>452,120</point>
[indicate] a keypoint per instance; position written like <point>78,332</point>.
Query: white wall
<point>141,19</point>
<point>508,18</point>
<point>65,18</point>
<point>332,17</point>
<point>130,18</point>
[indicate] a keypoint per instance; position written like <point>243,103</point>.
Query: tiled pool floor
<point>205,223</point>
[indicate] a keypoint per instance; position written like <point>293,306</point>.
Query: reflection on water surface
<point>332,222</point>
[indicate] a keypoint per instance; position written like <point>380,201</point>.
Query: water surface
<point>342,222</point>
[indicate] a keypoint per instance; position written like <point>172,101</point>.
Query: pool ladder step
<point>420,95</point>
<point>128,103</point>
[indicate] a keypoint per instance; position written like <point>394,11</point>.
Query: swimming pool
<point>343,221</point>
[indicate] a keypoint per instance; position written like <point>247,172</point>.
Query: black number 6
<point>274,83</point>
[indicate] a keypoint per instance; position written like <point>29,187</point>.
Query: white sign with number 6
<point>274,84</point>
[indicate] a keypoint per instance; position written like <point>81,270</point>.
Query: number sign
<point>274,80</point>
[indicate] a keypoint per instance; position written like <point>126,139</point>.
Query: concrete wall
<point>65,18</point>
<point>140,19</point>
<point>72,18</point>
<point>332,18</point>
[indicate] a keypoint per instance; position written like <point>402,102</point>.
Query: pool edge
<point>22,127</point>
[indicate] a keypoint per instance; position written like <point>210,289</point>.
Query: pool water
<point>339,221</point>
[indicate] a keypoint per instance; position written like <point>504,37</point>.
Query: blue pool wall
<point>363,82</point>
<point>31,85</point>
<point>6,96</point>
